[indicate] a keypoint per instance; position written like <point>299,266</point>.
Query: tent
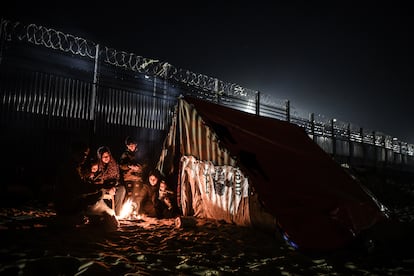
<point>262,172</point>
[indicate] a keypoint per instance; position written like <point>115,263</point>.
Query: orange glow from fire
<point>129,211</point>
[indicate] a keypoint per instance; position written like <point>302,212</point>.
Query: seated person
<point>75,197</point>
<point>91,172</point>
<point>109,171</point>
<point>93,176</point>
<point>165,204</point>
<point>149,195</point>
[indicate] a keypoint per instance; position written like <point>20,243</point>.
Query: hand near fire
<point>135,168</point>
<point>167,202</point>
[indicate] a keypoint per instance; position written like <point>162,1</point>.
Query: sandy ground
<point>35,242</point>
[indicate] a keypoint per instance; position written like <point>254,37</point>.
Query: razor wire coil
<point>57,40</point>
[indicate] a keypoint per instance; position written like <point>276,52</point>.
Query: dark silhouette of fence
<point>57,88</point>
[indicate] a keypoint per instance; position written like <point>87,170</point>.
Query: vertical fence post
<point>350,143</point>
<point>394,152</point>
<point>312,123</point>
<point>288,111</point>
<point>154,86</point>
<point>165,74</point>
<point>374,140</point>
<point>258,103</point>
<point>216,89</point>
<point>361,134</point>
<point>151,115</point>
<point>406,153</point>
<point>333,137</point>
<point>92,114</point>
<point>384,138</point>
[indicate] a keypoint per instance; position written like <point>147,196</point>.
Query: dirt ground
<point>35,242</point>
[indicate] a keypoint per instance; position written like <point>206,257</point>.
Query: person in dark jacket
<point>149,195</point>
<point>90,172</point>
<point>164,205</point>
<point>132,170</point>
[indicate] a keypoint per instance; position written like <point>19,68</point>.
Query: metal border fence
<point>107,89</point>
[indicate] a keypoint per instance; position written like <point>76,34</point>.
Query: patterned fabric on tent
<point>289,180</point>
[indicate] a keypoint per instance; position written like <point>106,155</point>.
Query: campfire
<point>129,211</point>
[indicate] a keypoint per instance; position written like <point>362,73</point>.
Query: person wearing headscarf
<point>109,176</point>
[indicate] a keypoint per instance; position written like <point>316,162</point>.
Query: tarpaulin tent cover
<point>310,197</point>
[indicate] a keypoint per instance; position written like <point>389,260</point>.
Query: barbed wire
<point>131,61</point>
<point>57,40</point>
<point>165,70</point>
<point>49,38</point>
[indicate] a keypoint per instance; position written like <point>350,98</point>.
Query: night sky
<point>352,61</point>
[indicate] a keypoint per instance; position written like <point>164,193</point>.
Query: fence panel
<point>57,88</point>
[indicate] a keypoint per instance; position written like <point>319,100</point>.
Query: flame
<point>126,210</point>
<point>129,211</point>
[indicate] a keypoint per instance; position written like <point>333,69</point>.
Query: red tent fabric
<point>314,201</point>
